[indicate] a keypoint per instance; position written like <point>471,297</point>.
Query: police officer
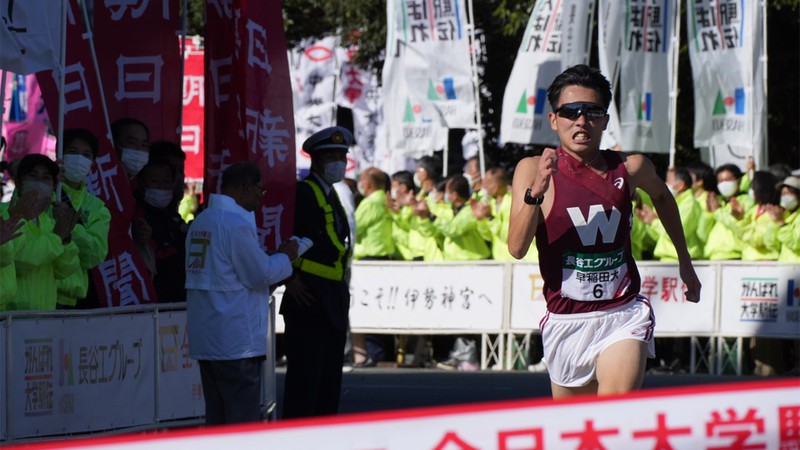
<point>315,304</point>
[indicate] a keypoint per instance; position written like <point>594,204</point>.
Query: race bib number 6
<point>592,277</point>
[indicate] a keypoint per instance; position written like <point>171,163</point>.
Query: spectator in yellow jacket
<point>495,212</point>
<point>373,218</point>
<point>679,182</point>
<point>91,232</point>
<point>457,225</point>
<point>756,220</point>
<point>785,232</point>
<point>45,252</point>
<point>723,241</point>
<point>10,229</point>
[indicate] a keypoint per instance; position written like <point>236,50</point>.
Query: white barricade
<point>80,373</point>
<point>180,392</point>
<point>761,300</point>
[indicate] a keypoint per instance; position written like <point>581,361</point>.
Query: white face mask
<point>134,160</point>
<point>417,180</point>
<point>470,181</point>
<point>361,190</point>
<point>673,191</point>
<point>41,187</point>
<point>394,193</point>
<point>789,202</point>
<point>76,167</point>
<point>158,198</point>
<point>334,171</point>
<point>728,188</point>
<point>752,194</point>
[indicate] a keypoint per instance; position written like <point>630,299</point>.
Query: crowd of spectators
<point>53,231</point>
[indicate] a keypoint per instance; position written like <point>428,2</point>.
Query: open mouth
<point>581,137</point>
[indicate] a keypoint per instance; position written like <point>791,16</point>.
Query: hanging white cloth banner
<point>30,35</point>
<point>610,17</point>
<point>422,91</point>
<point>358,90</point>
<point>558,35</point>
<point>314,73</point>
<point>725,46</point>
<point>649,27</point>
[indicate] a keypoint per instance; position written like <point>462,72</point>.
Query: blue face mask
<point>334,171</point>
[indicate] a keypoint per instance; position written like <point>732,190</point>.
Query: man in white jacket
<point>228,279</point>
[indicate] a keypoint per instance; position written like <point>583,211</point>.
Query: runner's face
<point>581,135</point>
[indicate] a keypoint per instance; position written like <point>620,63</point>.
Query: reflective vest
<point>336,271</point>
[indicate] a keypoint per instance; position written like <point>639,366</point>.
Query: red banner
<point>26,131</point>
<point>249,115</point>
<point>122,279</point>
<point>140,64</point>
<point>193,106</point>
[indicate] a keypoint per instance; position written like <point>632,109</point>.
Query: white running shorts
<point>572,342</point>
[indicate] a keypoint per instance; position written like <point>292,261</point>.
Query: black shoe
<point>367,363</point>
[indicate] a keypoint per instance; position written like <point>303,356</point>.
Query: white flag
<point>30,35</point>
<point>645,83</point>
<point>557,36</point>
<point>314,73</point>
<point>725,46</point>
<point>414,126</point>
<point>358,90</point>
<point>610,19</point>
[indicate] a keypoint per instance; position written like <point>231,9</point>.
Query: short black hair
<point>165,149</point>
<point>120,124</point>
<point>580,75</point>
<point>156,163</point>
<point>683,175</point>
<point>405,178</point>
<point>763,186</point>
<point>240,173</point>
<point>431,165</point>
<point>703,172</point>
<point>732,168</point>
<point>31,160</point>
<point>460,186</point>
<point>83,134</point>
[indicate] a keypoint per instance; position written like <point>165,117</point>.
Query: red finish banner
<point>140,64</point>
<point>249,115</point>
<point>122,279</point>
<point>192,138</point>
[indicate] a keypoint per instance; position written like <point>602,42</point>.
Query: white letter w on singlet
<point>587,229</point>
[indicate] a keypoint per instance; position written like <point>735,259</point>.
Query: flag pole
<point>182,33</point>
<point>474,65</point>
<point>673,88</point>
<point>61,93</point>
<point>89,36</point>
<point>763,61</point>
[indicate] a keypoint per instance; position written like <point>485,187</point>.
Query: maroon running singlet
<point>584,244</point>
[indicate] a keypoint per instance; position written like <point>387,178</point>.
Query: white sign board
<point>761,300</point>
<point>661,284</point>
<point>180,393</point>
<point>80,374</point>
<point>431,297</point>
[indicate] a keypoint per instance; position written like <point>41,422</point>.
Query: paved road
<point>366,390</point>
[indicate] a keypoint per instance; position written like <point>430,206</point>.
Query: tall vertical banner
<point>725,45</point>
<point>120,280</point>
<point>610,17</point>
<point>645,82</point>
<point>558,35</point>
<point>140,64</point>
<point>421,88</point>
<point>314,72</point>
<point>358,90</point>
<point>249,114</point>
<point>194,101</point>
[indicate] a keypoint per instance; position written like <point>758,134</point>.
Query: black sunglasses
<point>572,111</point>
